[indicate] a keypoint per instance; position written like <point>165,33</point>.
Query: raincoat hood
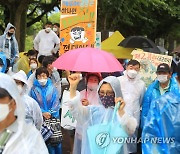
<point>9,25</point>
<point>10,85</point>
<point>21,76</point>
<point>115,84</point>
<point>3,58</point>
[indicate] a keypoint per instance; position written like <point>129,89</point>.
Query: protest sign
<point>149,62</point>
<point>77,24</point>
<point>67,119</point>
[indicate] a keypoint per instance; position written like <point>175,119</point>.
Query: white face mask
<point>48,29</point>
<point>4,110</point>
<point>92,86</point>
<point>33,66</point>
<point>55,29</point>
<point>132,74</point>
<point>42,82</point>
<point>162,78</point>
<point>20,88</point>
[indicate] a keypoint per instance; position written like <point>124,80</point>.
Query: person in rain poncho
<point>33,63</point>
<point>8,43</point>
<point>158,88</point>
<point>161,131</point>
<point>33,114</point>
<point>109,93</point>
<point>53,74</point>
<point>47,97</point>
<point>89,96</point>
<point>15,135</point>
<point>133,89</point>
<point>23,62</point>
<point>3,63</point>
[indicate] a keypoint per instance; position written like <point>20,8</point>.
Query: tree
<point>154,18</point>
<point>19,14</point>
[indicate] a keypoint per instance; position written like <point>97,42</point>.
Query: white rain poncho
<point>133,92</point>
<point>33,114</point>
<point>92,115</point>
<point>27,139</point>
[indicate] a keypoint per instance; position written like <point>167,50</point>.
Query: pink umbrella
<point>88,60</point>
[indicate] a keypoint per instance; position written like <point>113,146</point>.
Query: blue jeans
<point>55,149</point>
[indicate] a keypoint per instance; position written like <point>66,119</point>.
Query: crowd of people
<point>31,97</point>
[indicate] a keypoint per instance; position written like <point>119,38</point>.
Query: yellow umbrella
<point>111,45</point>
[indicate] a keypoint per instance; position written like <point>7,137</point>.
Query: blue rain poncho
<point>161,131</point>
<point>9,46</point>
<point>92,115</point>
<point>3,58</point>
<point>33,114</point>
<point>55,78</point>
<point>151,94</point>
<point>26,138</point>
<point>47,97</point>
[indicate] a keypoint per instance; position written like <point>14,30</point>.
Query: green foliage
<point>29,43</point>
<point>139,17</point>
<point>54,18</point>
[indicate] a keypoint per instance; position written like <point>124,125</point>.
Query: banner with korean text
<point>149,62</point>
<point>77,24</point>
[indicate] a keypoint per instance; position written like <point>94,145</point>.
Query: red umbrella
<point>88,60</point>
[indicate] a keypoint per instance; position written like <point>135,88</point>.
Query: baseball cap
<point>163,68</point>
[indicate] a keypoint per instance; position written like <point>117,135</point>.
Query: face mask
<point>132,74</point>
<point>48,29</point>
<point>20,88</point>
<point>162,78</point>
<point>55,29</point>
<point>42,82</point>
<point>33,66</point>
<point>107,101</point>
<point>92,86</point>
<point>4,110</point>
<point>10,34</point>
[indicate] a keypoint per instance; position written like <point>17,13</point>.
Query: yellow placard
<point>77,24</point>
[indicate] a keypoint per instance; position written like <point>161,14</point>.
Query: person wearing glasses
<point>109,93</point>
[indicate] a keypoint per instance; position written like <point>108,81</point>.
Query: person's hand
<point>85,102</point>
<point>46,115</point>
<point>122,105</point>
<point>74,80</point>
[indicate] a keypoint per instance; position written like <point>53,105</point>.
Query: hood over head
<point>9,84</point>
<point>115,84</point>
<point>9,25</point>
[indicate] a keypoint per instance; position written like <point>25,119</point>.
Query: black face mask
<point>10,34</point>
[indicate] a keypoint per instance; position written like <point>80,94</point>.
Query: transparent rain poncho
<point>27,139</point>
<point>33,112</point>
<point>92,115</point>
